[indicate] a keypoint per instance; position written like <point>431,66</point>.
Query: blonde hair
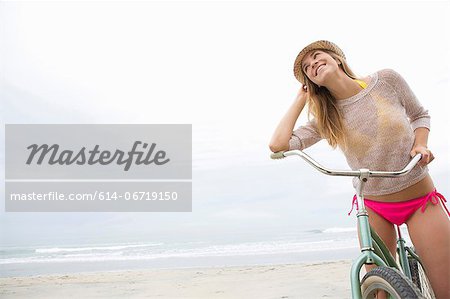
<point>322,105</point>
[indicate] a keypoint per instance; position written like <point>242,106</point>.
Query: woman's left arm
<point>420,146</point>
<point>418,117</point>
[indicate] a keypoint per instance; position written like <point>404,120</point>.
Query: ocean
<point>315,245</point>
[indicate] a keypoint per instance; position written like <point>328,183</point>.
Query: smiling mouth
<point>320,66</point>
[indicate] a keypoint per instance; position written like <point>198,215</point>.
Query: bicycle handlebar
<point>354,173</point>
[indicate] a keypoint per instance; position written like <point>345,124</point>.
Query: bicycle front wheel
<point>390,281</point>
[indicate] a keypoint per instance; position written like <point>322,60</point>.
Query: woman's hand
<point>427,155</point>
<point>302,94</point>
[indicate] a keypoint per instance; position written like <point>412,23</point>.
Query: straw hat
<point>317,45</point>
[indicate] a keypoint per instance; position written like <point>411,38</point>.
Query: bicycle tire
<point>396,284</point>
<point>419,277</point>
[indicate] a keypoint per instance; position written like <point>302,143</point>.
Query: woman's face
<point>318,66</point>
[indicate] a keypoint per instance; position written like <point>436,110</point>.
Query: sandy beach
<point>315,280</point>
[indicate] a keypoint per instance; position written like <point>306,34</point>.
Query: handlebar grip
<point>277,155</point>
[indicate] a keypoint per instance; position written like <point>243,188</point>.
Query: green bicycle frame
<point>367,255</point>
<point>401,250</point>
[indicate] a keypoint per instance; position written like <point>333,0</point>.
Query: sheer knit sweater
<point>380,121</point>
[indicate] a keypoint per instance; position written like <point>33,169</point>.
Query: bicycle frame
<point>368,254</point>
<point>401,250</point>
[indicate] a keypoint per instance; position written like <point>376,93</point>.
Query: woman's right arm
<point>283,132</point>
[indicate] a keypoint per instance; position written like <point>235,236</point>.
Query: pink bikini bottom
<point>399,212</point>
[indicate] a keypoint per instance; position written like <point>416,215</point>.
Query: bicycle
<point>403,279</point>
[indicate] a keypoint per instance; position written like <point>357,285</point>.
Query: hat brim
<point>317,45</point>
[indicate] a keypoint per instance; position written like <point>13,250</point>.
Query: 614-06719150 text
<point>102,195</point>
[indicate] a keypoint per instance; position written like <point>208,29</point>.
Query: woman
<point>379,124</point>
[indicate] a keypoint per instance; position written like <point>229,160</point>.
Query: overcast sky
<point>226,68</point>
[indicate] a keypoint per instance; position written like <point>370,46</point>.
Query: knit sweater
<point>380,121</point>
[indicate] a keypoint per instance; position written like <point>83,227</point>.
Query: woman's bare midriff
<point>421,188</point>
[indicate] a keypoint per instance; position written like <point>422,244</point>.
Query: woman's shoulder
<point>386,74</point>
<point>389,75</point>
